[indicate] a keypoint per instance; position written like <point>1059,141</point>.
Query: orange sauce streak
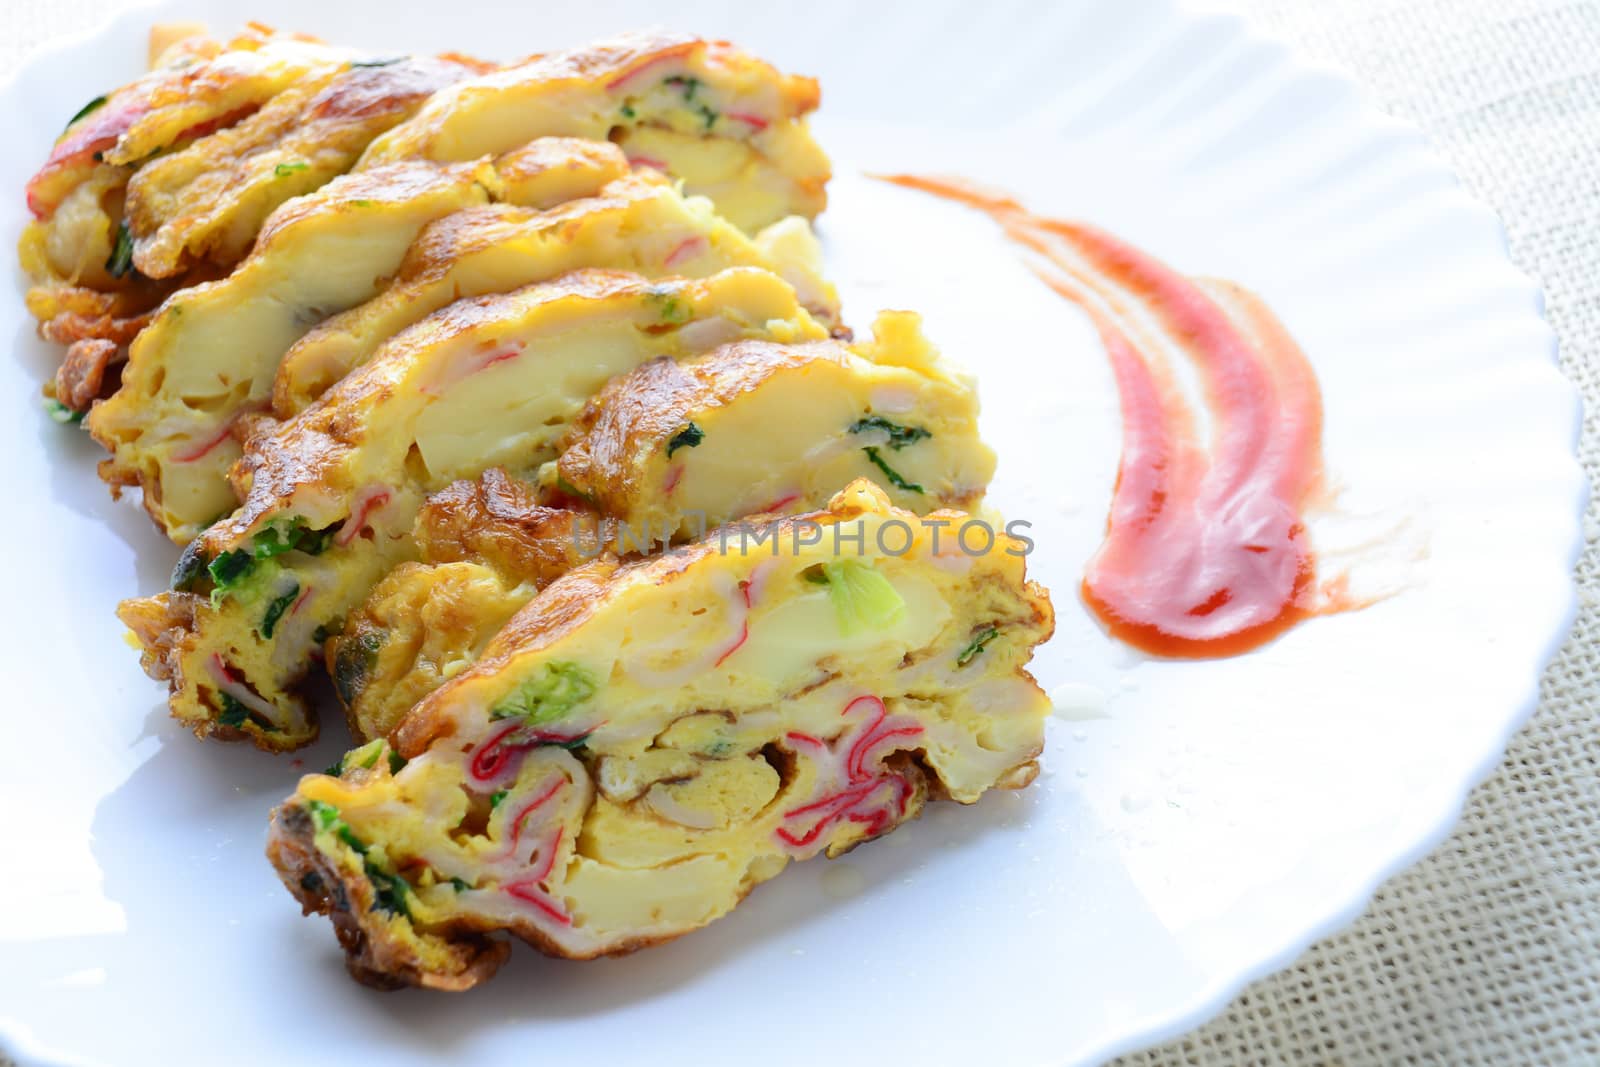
<point>1206,551</point>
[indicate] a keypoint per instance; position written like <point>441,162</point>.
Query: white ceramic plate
<point>1217,819</point>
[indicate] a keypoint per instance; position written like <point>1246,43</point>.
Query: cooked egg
<point>640,224</point>
<point>730,125</point>
<point>330,496</point>
<point>663,452</point>
<point>208,200</point>
<point>485,546</point>
<point>754,427</point>
<point>191,387</point>
<point>208,358</point>
<point>558,789</point>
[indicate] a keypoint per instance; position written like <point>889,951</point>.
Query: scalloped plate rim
<point>1212,997</point>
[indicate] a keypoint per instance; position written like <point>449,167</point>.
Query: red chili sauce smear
<point>1206,551</point>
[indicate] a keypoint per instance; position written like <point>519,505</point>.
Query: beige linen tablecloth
<point>1487,952</point>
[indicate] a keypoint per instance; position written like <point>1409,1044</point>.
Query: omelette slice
<point>198,86</point>
<point>191,388</point>
<point>663,452</point>
<point>207,360</point>
<point>330,496</point>
<point>671,448</point>
<point>729,125</point>
<point>639,223</point>
<point>77,250</point>
<point>644,743</point>
<point>485,546</point>
<point>208,200</point>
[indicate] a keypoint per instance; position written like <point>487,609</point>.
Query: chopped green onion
<point>283,170</point>
<point>353,662</point>
<point>389,889</point>
<point>229,569</point>
<point>669,307</point>
<point>233,713</point>
<point>366,756</point>
<point>688,437</point>
<point>496,797</point>
<point>899,436</point>
<point>573,491</point>
<point>275,610</point>
<point>286,535</point>
<point>59,412</point>
<point>121,260</point>
<point>86,110</point>
<point>889,472</point>
<point>325,814</point>
<point>561,686</point>
<point>689,85</point>
<point>191,565</point>
<point>976,645</point>
<point>863,599</point>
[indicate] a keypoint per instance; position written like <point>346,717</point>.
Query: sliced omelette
<point>206,361</point>
<point>662,453</point>
<point>196,87</point>
<point>640,223</point>
<point>208,200</point>
<point>206,366</point>
<point>728,124</point>
<point>78,250</point>
<point>330,496</point>
<point>758,427</point>
<point>484,547</point>
<point>644,743</point>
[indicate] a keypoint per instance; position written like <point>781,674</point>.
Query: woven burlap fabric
<point>1487,952</point>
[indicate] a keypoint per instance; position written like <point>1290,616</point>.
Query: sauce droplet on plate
<point>1077,701</point>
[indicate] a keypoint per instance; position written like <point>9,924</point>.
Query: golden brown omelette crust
<point>81,378</point>
<point>164,625</point>
<point>507,525</point>
<point>336,114</point>
<point>560,153</point>
<point>570,600</point>
<point>559,608</point>
<point>347,897</point>
<point>379,957</point>
<point>444,241</point>
<point>616,59</point>
<point>68,313</point>
<point>393,183</point>
<point>415,610</point>
<point>304,449</point>
<point>638,411</point>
